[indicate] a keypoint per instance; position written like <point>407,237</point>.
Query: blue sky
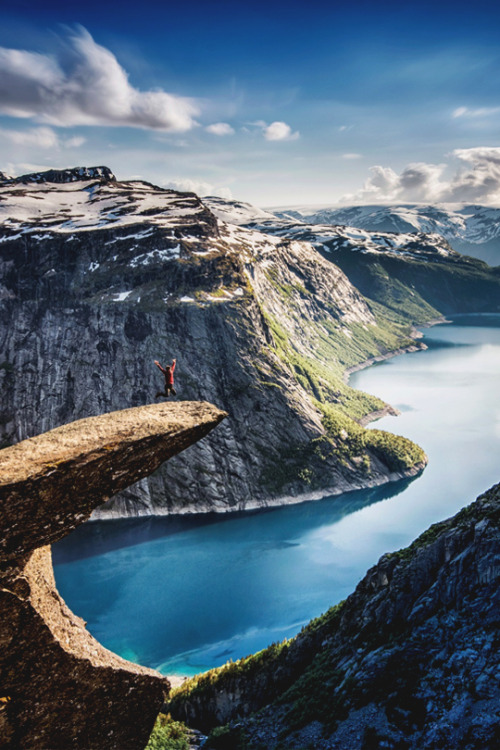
<point>271,102</point>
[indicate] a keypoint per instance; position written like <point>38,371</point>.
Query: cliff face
<point>60,687</point>
<point>409,660</point>
<point>98,278</point>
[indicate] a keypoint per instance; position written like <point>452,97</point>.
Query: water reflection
<point>100,537</point>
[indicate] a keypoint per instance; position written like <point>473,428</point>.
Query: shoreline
<point>304,497</point>
<point>342,488</point>
<point>416,347</point>
<point>387,411</point>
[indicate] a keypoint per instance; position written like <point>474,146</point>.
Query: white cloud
<point>41,137</point>
<point>74,142</point>
<point>36,137</point>
<point>18,168</point>
<point>352,156</point>
<point>201,188</point>
<point>479,155</point>
<point>220,128</point>
<point>278,131</point>
<point>85,86</point>
<point>479,181</point>
<point>475,179</point>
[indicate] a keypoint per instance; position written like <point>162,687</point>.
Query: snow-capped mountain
<point>330,236</point>
<point>470,229</point>
<point>85,199</point>
<point>410,272</point>
<point>99,277</point>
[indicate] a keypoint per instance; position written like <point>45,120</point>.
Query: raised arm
<point>172,368</point>
<point>159,366</point>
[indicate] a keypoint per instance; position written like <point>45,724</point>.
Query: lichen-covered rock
<point>60,688</point>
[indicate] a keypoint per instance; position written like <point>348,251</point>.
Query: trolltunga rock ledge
<point>51,483</point>
<point>59,687</point>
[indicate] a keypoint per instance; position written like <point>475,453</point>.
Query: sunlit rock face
<point>60,687</point>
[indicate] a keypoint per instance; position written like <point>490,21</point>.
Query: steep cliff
<point>99,277</point>
<point>60,687</point>
<point>409,660</point>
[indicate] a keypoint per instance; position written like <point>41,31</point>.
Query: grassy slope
<point>320,369</point>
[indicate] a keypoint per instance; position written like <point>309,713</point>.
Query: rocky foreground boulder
<point>409,660</point>
<point>59,687</point>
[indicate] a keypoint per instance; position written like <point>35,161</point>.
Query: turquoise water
<point>183,595</point>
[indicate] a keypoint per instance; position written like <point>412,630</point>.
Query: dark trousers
<point>169,389</point>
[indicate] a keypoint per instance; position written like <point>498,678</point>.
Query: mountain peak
<point>73,174</point>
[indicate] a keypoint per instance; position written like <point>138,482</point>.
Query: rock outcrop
<point>60,688</point>
<point>61,176</point>
<point>409,660</point>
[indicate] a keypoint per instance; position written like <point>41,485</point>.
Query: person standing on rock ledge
<point>168,373</point>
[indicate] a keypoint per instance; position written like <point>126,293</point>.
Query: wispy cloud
<point>199,187</point>
<point>85,85</point>
<point>351,156</point>
<point>474,113</point>
<point>41,137</point>
<point>220,128</point>
<point>476,179</point>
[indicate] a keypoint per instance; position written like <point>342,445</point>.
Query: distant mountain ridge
<point>61,176</point>
<point>412,273</point>
<point>329,235</point>
<point>470,229</point>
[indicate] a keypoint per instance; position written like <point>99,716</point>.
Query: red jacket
<point>169,373</point>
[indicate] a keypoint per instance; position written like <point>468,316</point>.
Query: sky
<point>276,103</point>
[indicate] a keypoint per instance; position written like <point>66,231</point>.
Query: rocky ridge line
<point>61,176</point>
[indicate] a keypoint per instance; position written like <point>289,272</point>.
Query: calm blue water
<point>184,595</point>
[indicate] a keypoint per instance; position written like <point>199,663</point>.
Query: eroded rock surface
<point>59,687</point>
